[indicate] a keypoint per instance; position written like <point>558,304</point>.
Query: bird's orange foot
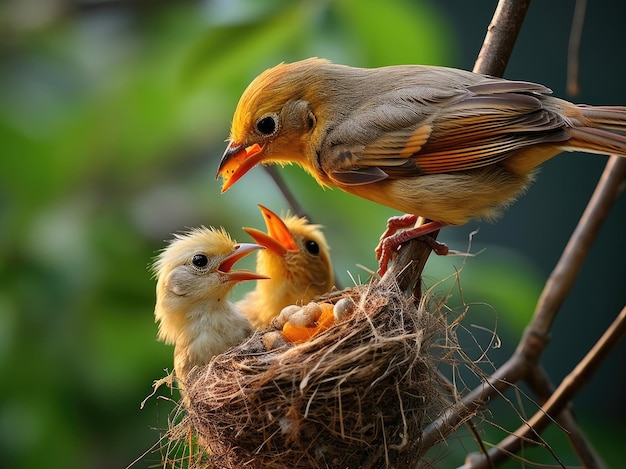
<point>393,225</point>
<point>391,240</point>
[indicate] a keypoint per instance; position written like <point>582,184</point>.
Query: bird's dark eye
<point>200,260</point>
<point>266,125</point>
<point>312,247</point>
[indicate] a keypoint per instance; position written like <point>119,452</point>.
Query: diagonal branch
<point>293,203</point>
<point>501,36</point>
<point>536,336</point>
<point>540,383</point>
<point>562,278</point>
<point>558,401</point>
<point>492,59</point>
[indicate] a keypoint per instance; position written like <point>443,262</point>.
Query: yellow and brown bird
<point>297,261</point>
<point>194,277</point>
<point>446,144</point>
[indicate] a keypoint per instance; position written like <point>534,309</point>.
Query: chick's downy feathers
<point>297,261</point>
<point>194,278</point>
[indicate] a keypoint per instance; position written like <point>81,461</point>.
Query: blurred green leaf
<point>225,51</point>
<point>397,32</point>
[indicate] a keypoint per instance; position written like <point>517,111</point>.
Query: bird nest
<point>356,395</point>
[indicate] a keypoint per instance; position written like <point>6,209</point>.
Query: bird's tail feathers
<point>596,140</point>
<point>603,131</point>
<point>605,117</point>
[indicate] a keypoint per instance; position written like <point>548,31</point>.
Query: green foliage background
<point>113,117</point>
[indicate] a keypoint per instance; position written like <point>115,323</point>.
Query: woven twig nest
<point>357,395</point>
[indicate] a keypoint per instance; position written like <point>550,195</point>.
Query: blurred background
<point>113,117</point>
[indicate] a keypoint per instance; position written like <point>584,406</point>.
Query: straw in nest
<point>357,395</point>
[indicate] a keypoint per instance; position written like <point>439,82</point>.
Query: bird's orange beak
<point>241,250</point>
<point>278,238</point>
<point>236,161</point>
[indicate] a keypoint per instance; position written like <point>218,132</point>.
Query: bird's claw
<point>393,225</point>
<point>391,240</point>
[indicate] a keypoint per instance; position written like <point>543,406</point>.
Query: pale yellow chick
<point>296,260</point>
<point>194,278</point>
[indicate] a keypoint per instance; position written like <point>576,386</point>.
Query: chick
<point>194,278</point>
<point>297,260</point>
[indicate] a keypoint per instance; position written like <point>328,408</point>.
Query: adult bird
<point>445,144</point>
<point>297,261</point>
<point>194,277</point>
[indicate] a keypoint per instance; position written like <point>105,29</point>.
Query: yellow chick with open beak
<point>296,260</point>
<point>445,144</point>
<point>194,277</point>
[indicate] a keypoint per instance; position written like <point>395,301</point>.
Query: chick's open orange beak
<point>241,250</point>
<point>278,238</point>
<point>236,161</point>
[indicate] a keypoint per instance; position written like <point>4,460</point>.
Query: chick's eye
<point>200,260</point>
<point>266,125</point>
<point>312,247</point>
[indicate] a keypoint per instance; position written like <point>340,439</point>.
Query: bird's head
<point>195,270</point>
<point>297,255</point>
<point>275,120</point>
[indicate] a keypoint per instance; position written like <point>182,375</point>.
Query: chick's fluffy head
<point>185,281</point>
<point>215,243</point>
<point>308,270</point>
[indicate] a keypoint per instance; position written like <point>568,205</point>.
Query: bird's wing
<point>414,135</point>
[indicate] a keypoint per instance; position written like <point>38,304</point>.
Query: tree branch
<point>540,383</point>
<point>295,206</point>
<point>562,278</point>
<point>573,48</point>
<point>501,36</point>
<point>492,59</point>
<point>557,402</point>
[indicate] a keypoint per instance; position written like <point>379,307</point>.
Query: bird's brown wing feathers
<point>482,126</point>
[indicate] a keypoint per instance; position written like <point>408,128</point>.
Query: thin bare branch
<point>562,278</point>
<point>296,208</point>
<point>501,36</point>
<point>573,48</point>
<point>536,336</point>
<point>540,383</point>
<point>558,401</point>
<point>506,375</point>
<point>493,57</point>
